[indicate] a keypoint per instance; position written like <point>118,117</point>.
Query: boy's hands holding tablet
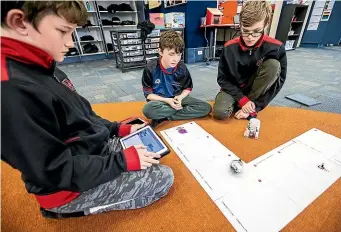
<point>146,157</point>
<point>149,146</point>
<point>136,127</point>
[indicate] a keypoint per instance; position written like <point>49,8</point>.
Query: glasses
<point>253,34</point>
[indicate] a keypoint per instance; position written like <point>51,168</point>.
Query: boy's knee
<point>147,110</point>
<point>207,108</point>
<point>222,113</point>
<point>167,177</point>
<point>272,68</point>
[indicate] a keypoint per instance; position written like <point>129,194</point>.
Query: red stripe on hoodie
<point>28,54</point>
<point>4,72</point>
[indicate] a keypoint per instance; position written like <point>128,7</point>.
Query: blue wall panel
<point>328,32</point>
<point>332,34</point>
<point>194,10</point>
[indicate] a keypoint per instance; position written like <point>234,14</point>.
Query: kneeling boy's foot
<point>156,122</point>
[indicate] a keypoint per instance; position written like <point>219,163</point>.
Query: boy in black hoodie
<point>68,155</point>
<point>252,68</point>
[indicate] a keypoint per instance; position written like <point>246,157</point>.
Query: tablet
<point>133,120</point>
<point>136,121</point>
<point>146,136</point>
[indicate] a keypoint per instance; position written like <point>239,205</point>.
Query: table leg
<point>211,44</point>
<point>215,43</point>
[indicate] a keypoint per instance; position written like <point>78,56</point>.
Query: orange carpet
<point>187,207</point>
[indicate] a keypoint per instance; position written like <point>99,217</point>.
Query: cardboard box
<point>213,16</point>
<point>175,20</point>
<point>230,9</point>
<point>158,19</point>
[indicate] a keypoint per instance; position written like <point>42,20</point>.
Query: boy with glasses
<point>252,68</point>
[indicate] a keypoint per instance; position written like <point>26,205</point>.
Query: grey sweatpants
<point>131,190</point>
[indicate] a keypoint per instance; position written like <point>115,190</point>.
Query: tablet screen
<point>145,137</point>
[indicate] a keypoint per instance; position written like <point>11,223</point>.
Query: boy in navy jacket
<point>167,84</point>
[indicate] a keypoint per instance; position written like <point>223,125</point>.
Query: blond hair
<point>255,11</point>
<point>34,11</point>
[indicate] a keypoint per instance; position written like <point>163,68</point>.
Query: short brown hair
<point>255,11</point>
<point>34,11</point>
<point>172,40</point>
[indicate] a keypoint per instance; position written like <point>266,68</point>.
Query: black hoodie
<point>50,133</point>
<point>238,63</point>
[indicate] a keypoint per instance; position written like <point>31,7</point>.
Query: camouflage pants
<point>131,190</point>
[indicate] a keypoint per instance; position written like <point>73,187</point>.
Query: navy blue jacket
<point>165,82</point>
